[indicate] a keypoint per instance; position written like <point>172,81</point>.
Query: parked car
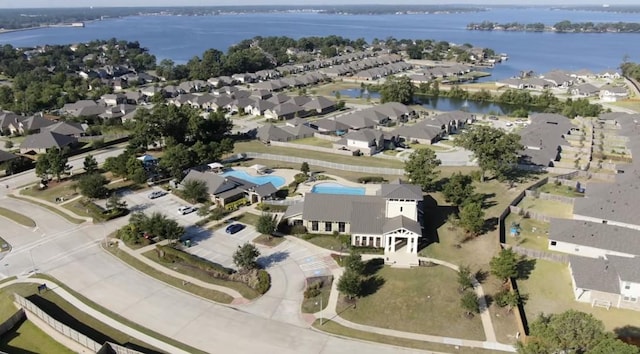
<point>157,194</point>
<point>493,118</point>
<point>233,228</point>
<point>184,210</point>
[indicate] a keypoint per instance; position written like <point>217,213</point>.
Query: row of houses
<point>603,236</point>
<point>360,65</point>
<point>440,72</point>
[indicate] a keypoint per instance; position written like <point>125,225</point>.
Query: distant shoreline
<point>60,25</point>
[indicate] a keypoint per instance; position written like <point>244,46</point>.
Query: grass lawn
<point>336,328</point>
<point>430,147</point>
<point>62,189</point>
<point>547,207</point>
<point>66,313</point>
<point>537,240</point>
<point>319,302</point>
<point>391,152</point>
<point>17,217</point>
<point>194,272</point>
<point>248,218</point>
<point>329,242</point>
<point>175,282</point>
<point>265,240</point>
<point>52,209</point>
<point>28,338</point>
<point>329,89</point>
<point>549,289</point>
<point>313,141</point>
<point>412,303</point>
<point>564,191</point>
<point>633,104</point>
<point>256,146</point>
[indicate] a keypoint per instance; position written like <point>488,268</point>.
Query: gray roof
<point>356,121</point>
<point>35,122</point>
<point>594,274</point>
<point>401,191</point>
<point>294,209</point>
<point>626,267</point>
<point>418,131</point>
<point>329,125</point>
<point>46,140</point>
<point>269,132</point>
<point>320,103</point>
<point>402,222</point>
<point>65,128</point>
<point>596,235</point>
<point>611,201</point>
<point>265,190</point>
<point>6,156</point>
<point>366,135</point>
<point>333,207</point>
<point>367,215</point>
<point>543,137</point>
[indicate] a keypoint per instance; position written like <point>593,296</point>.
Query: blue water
<point>335,188</point>
<point>182,37</point>
<point>277,181</point>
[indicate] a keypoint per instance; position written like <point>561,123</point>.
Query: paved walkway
<point>100,316</point>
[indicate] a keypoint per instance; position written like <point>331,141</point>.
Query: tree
<point>90,164</point>
<point>53,162</point>
<point>17,165</point>
<point>195,190</point>
<point>612,345</point>
<point>397,89</point>
<point>267,224</point>
<point>505,264</point>
<point>472,218</point>
<point>304,168</point>
<point>93,185</point>
<point>420,168</point>
<point>135,170</point>
<point>464,278</point>
<point>117,164</point>
<point>459,189</point>
<point>509,299</point>
<point>176,159</point>
<point>469,302</point>
<point>495,150</point>
<point>8,144</point>
<point>245,256</point>
<point>353,262</point>
<point>115,202</point>
<point>568,332</point>
<point>350,284</point>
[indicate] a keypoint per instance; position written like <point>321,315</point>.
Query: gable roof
<point>331,125</point>
<point>366,135</point>
<point>266,189</point>
<point>65,128</point>
<point>270,132</point>
<point>35,122</point>
<point>401,222</point>
<point>46,140</point>
<point>319,103</point>
<point>6,156</point>
<point>596,235</point>
<point>594,274</point>
<point>401,191</point>
<point>333,207</point>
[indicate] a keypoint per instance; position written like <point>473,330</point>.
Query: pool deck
<point>369,189</point>
<point>284,173</point>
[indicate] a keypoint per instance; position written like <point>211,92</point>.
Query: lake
<point>182,37</point>
<point>445,104</point>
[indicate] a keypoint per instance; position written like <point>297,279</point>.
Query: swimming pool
<point>335,188</point>
<point>277,181</point>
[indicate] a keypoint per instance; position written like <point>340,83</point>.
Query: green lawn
<point>547,207</point>
<point>411,302</point>
<point>633,104</point>
<point>430,147</point>
<point>313,304</point>
<point>55,189</point>
<point>329,242</point>
<point>329,89</point>
<point>268,241</point>
<point>313,141</point>
<point>17,217</point>
<point>28,338</point>
<point>533,233</point>
<point>550,291</point>
<point>60,309</point>
<point>565,191</point>
<point>209,294</point>
<point>248,218</point>
<point>194,272</point>
<point>52,209</point>
<point>336,328</point>
<point>256,146</point>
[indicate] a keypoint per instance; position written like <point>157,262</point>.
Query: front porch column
<point>409,245</point>
<point>393,243</point>
<point>388,243</point>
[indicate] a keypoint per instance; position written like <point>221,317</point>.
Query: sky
<point>113,3</point>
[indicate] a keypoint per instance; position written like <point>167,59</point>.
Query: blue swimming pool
<point>335,188</point>
<point>277,181</point>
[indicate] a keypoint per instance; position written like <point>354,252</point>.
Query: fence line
<point>11,321</point>
<point>539,254</point>
<point>70,332</point>
<point>327,164</point>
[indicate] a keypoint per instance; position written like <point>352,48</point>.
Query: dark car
<point>233,228</point>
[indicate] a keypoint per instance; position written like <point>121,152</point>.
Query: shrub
<point>98,143</point>
<point>264,281</point>
<point>476,175</point>
<point>371,179</point>
<point>313,290</point>
<point>300,178</point>
<point>173,255</point>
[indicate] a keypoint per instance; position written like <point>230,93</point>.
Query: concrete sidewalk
<point>100,316</point>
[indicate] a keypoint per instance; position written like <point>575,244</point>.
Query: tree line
<point>562,26</point>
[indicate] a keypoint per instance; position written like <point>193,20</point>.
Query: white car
<point>184,210</point>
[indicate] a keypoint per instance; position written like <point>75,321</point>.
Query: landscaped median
<point>52,209</point>
<point>17,217</point>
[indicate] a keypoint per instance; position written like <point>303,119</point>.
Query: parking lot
<point>167,204</point>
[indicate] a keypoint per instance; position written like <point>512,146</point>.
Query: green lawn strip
<point>565,191</point>
<point>51,209</point>
<point>549,290</point>
<point>547,207</point>
<point>312,304</point>
<point>269,241</point>
<point>209,294</point>
<point>313,141</point>
<point>408,295</point>
<point>58,308</point>
<point>194,272</point>
<point>7,279</point>
<point>254,146</point>
<point>338,329</point>
<point>7,308</point>
<point>54,190</point>
<point>329,242</point>
<point>28,338</point>
<point>248,218</point>
<point>430,147</point>
<point>17,217</point>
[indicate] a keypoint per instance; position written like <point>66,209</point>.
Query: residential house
<point>67,128</point>
<point>421,133</point>
<point>584,90</point>
<point>609,74</point>
<point>118,111</point>
<point>386,220</point>
<point>6,118</point>
<point>284,111</point>
<point>39,143</point>
<point>114,99</point>
<point>269,132</point>
<point>593,240</point>
<point>259,107</point>
<point>610,93</point>
<point>28,125</point>
<point>558,78</point>
<point>357,120</point>
<point>366,141</point>
<point>6,156</point>
<point>330,126</point>
<point>543,139</point>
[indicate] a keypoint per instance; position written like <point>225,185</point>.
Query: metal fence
<point>327,164</point>
<point>70,332</point>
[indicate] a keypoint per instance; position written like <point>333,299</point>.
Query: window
<point>314,226</point>
<point>341,227</point>
<point>401,209</point>
<point>630,299</point>
<point>576,249</point>
<point>627,286</point>
<point>327,226</point>
<point>553,243</point>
